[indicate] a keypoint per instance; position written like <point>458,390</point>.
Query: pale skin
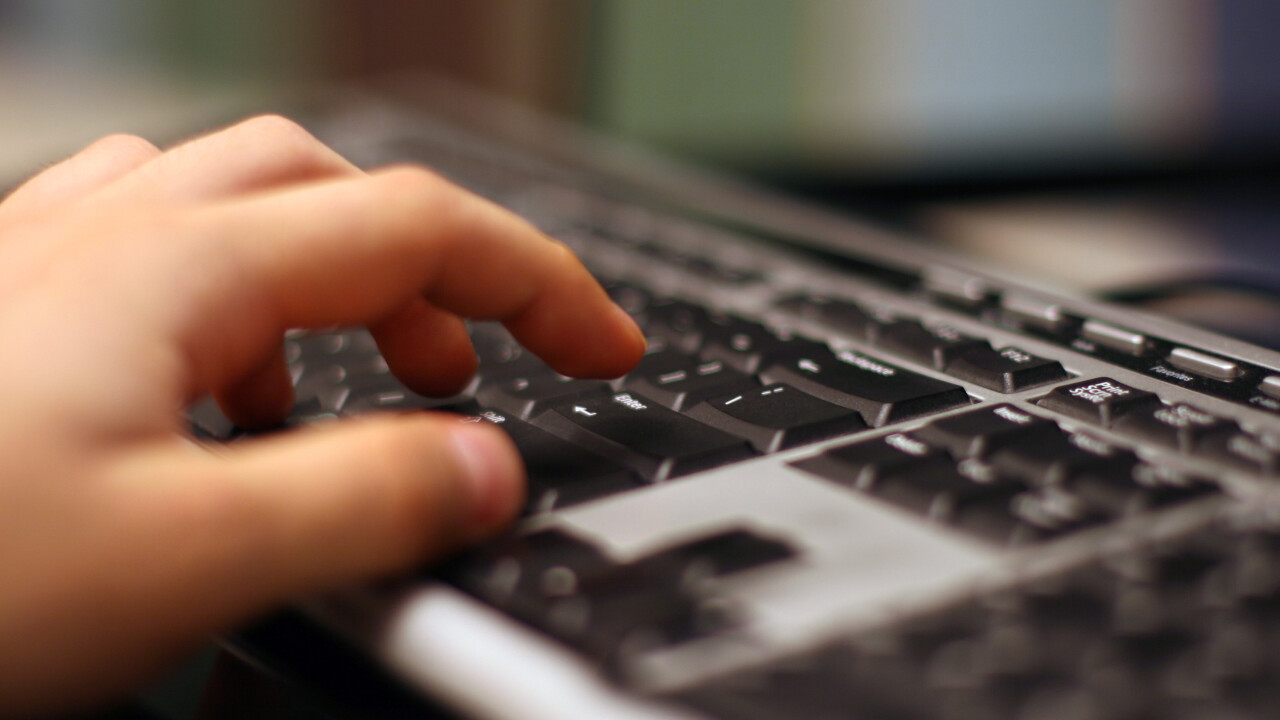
<point>133,281</point>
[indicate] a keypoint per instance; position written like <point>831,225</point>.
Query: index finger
<point>353,250</point>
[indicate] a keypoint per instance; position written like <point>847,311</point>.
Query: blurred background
<point>1128,148</point>
<point>873,91</point>
<point>1040,133</point>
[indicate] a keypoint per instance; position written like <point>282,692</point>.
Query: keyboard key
<point>342,347</point>
<point>1007,370</point>
<point>1254,453</point>
<point>957,288</point>
<point>501,356</point>
<point>747,346</point>
<point>1116,338</point>
<point>940,491</point>
<point>1051,511</point>
<point>981,432</point>
<point>560,474</point>
<point>1175,426</point>
<point>307,412</point>
<point>841,315</point>
<point>604,609</point>
<point>635,300</point>
<point>660,357</point>
<point>681,323</point>
<point>637,608</point>
<point>682,386</point>
<point>387,394</point>
<point>1270,386</point>
<point>1054,459</point>
<point>655,441</point>
<point>725,553</point>
<point>1204,364</point>
<point>861,465</point>
<point>528,395</point>
<point>1100,401</point>
<point>936,347</point>
<point>207,421</point>
<point>326,384</point>
<point>1043,315</point>
<point>777,417</point>
<point>520,571</point>
<point>881,392</point>
<point>1123,489</point>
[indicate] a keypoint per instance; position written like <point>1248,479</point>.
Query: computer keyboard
<point>851,480</point>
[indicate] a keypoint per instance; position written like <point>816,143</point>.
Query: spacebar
<point>883,393</point>
<point>641,434</point>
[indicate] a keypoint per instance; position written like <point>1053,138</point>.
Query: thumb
<point>346,501</point>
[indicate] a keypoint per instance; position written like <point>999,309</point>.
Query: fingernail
<point>625,320</point>
<point>492,470</point>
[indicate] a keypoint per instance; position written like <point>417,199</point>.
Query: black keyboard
<point>852,480</point>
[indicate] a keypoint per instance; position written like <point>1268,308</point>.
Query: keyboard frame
<point>486,665</point>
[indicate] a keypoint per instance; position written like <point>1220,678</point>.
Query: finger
<point>261,399</point>
<point>354,250</point>
<point>323,507</point>
<point>427,348</point>
<point>98,165</point>
<point>259,153</point>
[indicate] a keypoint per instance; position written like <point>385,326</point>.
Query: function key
<point>1100,401</point>
<point>981,432</point>
<point>1006,370</point>
<point>1114,338</point>
<point>881,392</point>
<point>1176,426</point>
<point>777,417</point>
<point>1203,364</point>
<point>935,347</point>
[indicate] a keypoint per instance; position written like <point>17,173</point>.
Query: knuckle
<point>562,257</point>
<point>127,146</point>
<point>286,137</point>
<point>414,182</point>
<point>273,125</point>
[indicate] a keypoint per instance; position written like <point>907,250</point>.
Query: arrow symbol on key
<point>583,411</point>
